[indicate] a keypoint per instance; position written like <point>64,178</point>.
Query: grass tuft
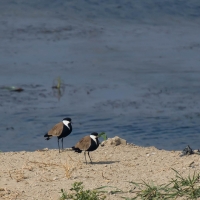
<point>103,135</point>
<point>150,191</point>
<point>179,186</point>
<point>188,187</point>
<point>77,193</point>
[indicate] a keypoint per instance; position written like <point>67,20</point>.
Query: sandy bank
<point>43,173</point>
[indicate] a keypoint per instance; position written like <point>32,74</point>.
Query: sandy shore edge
<point>43,173</point>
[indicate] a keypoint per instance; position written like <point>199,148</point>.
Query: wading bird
<point>60,130</point>
<point>88,143</point>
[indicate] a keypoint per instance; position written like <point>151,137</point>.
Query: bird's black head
<point>67,119</point>
<point>94,133</point>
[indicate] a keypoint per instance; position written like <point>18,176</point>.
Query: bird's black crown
<point>67,119</point>
<point>94,133</point>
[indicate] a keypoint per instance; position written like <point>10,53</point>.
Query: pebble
<point>114,141</point>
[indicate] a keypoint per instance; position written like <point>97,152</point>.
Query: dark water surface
<point>128,68</point>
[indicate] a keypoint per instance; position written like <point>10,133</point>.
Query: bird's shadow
<point>103,162</point>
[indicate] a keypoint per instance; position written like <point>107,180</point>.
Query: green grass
<point>78,193</point>
<point>148,191</point>
<point>185,187</point>
<point>188,187</point>
<point>103,135</point>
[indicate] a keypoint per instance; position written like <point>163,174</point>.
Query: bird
<point>60,130</point>
<point>87,143</point>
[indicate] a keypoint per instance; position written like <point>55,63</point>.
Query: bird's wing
<point>56,130</point>
<point>84,143</point>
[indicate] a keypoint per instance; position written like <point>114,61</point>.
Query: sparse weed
<point>77,193</point>
<point>151,192</point>
<point>113,191</point>
<point>188,188</point>
<point>18,175</point>
<point>68,170</point>
<point>103,135</point>
<point>58,83</point>
<point>58,87</point>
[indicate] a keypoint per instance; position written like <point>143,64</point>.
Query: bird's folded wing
<point>56,130</point>
<point>84,143</point>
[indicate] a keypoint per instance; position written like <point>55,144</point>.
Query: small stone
<point>114,141</point>
<point>103,143</point>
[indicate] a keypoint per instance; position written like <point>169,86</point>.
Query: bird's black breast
<point>65,132</point>
<point>93,145</point>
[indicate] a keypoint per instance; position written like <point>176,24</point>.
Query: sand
<point>43,173</point>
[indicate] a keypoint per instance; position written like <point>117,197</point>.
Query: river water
<point>128,68</point>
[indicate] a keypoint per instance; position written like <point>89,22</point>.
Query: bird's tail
<point>48,137</point>
<point>76,149</point>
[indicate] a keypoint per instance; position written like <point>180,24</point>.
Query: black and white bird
<point>88,143</point>
<point>60,130</point>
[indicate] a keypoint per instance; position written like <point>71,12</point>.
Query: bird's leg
<point>58,145</point>
<point>85,157</point>
<point>89,156</point>
<point>62,143</point>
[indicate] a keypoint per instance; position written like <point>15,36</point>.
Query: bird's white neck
<point>66,123</point>
<point>93,138</point>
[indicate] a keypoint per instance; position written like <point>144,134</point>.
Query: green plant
<point>58,83</point>
<point>63,195</point>
<point>114,191</point>
<point>58,87</point>
<point>188,187</point>
<point>103,135</point>
<point>77,193</point>
<point>151,192</point>
<point>179,187</point>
